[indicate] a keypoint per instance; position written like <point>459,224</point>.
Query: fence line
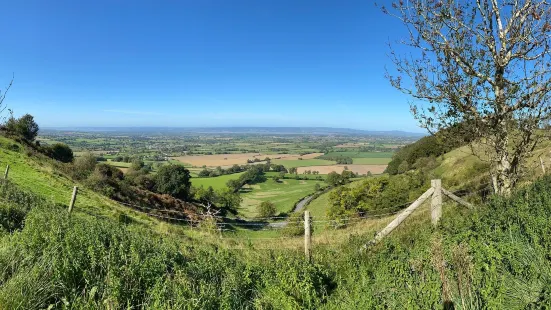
<point>436,192</point>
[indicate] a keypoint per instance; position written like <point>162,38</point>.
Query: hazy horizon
<point>240,63</point>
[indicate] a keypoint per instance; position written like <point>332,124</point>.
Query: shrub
<point>83,166</point>
<point>61,152</point>
<point>173,180</point>
<point>266,209</point>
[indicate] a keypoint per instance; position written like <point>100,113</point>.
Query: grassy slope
<point>37,176</point>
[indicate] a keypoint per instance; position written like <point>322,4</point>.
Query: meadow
<point>216,182</point>
<point>284,194</point>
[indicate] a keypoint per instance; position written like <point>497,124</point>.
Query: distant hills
<point>233,130</point>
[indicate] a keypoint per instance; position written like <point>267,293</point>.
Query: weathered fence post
<point>542,165</point>
<point>402,216</point>
<point>307,235</point>
<point>73,199</point>
<point>7,171</point>
<point>436,205</point>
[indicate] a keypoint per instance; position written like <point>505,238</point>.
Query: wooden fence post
<point>73,199</point>
<point>542,165</point>
<point>436,205</point>
<point>307,235</point>
<point>7,171</point>
<point>402,216</point>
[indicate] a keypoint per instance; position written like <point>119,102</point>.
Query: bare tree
<point>2,105</point>
<point>484,64</point>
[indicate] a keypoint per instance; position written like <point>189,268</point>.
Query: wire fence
<point>232,228</point>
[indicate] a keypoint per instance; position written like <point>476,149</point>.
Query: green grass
<point>302,163</point>
<point>319,206</point>
<point>371,161</point>
<point>216,182</point>
<point>284,195</point>
<point>361,154</point>
<point>119,164</point>
<point>38,176</point>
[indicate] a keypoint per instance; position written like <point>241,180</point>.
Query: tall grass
<point>496,256</point>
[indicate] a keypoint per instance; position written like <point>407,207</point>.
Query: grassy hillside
<point>496,256</point>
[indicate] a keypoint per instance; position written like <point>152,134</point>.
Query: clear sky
<point>192,63</point>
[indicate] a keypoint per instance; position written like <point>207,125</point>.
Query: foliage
<point>173,180</point>
<point>406,157</point>
<point>339,159</point>
<point>266,209</point>
<point>24,127</point>
<point>482,64</point>
<point>376,193</point>
<point>83,166</point>
<point>61,152</point>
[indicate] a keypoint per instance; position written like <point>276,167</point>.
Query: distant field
<point>216,182</point>
<point>118,164</point>
<point>371,161</point>
<point>360,169</point>
<point>302,163</point>
<point>292,176</point>
<point>233,159</point>
<point>361,154</point>
<point>283,195</point>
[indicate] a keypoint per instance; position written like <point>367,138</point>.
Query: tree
<point>173,180</point>
<point>24,127</point>
<point>2,105</point>
<point>61,152</point>
<point>137,164</point>
<point>266,209</point>
<point>333,178</point>
<point>204,173</point>
<point>317,187</point>
<point>483,64</point>
<point>234,185</point>
<point>227,198</point>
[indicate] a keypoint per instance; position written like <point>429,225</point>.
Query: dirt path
<point>298,208</point>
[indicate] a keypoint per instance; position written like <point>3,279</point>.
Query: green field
<point>216,182</point>
<point>118,164</point>
<point>371,161</point>
<point>360,154</point>
<point>302,163</point>
<point>283,194</point>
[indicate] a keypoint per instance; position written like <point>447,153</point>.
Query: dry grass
<point>225,160</point>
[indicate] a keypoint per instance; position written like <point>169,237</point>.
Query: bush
<point>83,166</point>
<point>173,180</point>
<point>61,152</point>
<point>266,209</point>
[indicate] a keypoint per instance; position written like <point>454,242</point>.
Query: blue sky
<point>201,63</point>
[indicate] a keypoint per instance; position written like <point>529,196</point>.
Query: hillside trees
<point>483,63</point>
<point>173,180</point>
<point>24,127</point>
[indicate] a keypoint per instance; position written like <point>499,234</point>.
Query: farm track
<point>299,207</point>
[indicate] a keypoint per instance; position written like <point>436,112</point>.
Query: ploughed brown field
<point>225,160</point>
<point>360,169</point>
